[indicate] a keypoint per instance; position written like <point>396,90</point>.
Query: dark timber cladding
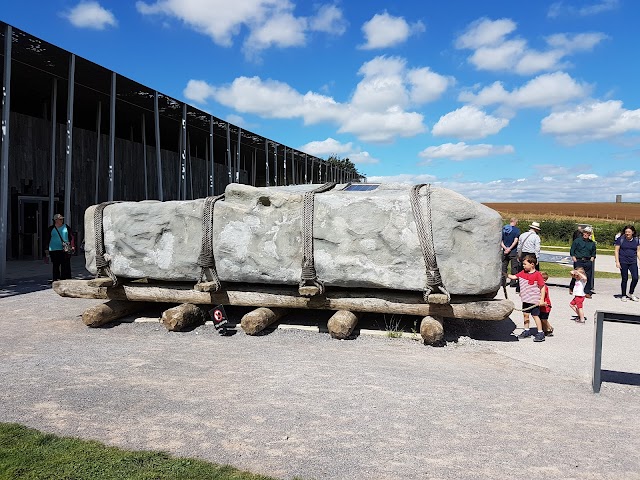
<point>75,134</point>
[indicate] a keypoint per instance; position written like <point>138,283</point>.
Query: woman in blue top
<point>59,232</point>
<point>627,254</point>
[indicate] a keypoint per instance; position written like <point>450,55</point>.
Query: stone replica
<point>361,239</point>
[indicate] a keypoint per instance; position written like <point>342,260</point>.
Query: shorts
<point>577,301</point>
<point>544,315</point>
<point>535,311</point>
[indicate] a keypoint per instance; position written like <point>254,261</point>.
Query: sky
<point>500,100</point>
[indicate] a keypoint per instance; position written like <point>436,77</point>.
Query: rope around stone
<point>206,261</point>
<point>425,236</point>
<point>102,261</point>
<point>309,276</point>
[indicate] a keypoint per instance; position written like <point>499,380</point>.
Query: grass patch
<point>29,454</point>
<point>556,270</point>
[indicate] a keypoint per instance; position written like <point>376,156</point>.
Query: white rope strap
<point>102,260</point>
<point>309,283</point>
<point>206,262</point>
<point>425,235</point>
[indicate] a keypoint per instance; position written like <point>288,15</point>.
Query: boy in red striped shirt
<point>532,296</point>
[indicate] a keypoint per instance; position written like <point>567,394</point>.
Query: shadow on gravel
<point>480,330</point>
<point>624,378</point>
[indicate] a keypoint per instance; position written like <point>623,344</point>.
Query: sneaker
<point>624,299</point>
<point>538,337</point>
<point>633,297</point>
<point>525,334</point>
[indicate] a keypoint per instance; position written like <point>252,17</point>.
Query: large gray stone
<point>361,238</point>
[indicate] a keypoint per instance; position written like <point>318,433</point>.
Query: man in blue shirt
<point>509,243</point>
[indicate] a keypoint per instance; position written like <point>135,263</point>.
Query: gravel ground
<point>293,402</point>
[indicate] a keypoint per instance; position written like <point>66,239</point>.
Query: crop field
<point>626,212</point>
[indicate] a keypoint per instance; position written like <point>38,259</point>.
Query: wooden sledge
<point>278,298</point>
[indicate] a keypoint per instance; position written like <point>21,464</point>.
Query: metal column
<point>238,156</point>
<point>284,164</point>
<point>4,153</point>
<point>99,134</point>
<point>275,164</point>
<point>266,159</point>
<point>144,157</point>
<point>156,121</point>
<point>54,146</point>
<point>211,158</point>
<point>305,168</point>
<point>230,178</point>
<point>112,134</point>
<point>67,172</point>
<point>183,153</point>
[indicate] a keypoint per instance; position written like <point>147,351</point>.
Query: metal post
<point>211,157</point>
<point>144,157</point>
<point>305,168</point>
<point>4,153</point>
<point>67,172</point>
<point>266,159</point>
<point>253,167</point>
<point>229,155</point>
<point>596,379</point>
<point>112,134</point>
<point>156,121</point>
<point>183,153</point>
<point>99,134</point>
<point>238,156</point>
<point>293,168</point>
<point>190,166</point>
<point>275,164</point>
<point>284,165</point>
<point>54,145</point>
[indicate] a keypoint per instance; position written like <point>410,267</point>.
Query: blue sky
<point>499,100</point>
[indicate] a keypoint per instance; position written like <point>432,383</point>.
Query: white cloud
<point>329,19</point>
<point>90,15</point>
<point>384,30</point>
<point>484,32</point>
<point>426,85</point>
<point>591,121</point>
<point>468,122</point>
<point>558,9</point>
<point>282,30</point>
<point>331,146</point>
<point>557,189</point>
<point>269,23</point>
<point>587,176</point>
<point>493,49</point>
<point>378,111</point>
<point>543,91</point>
<point>462,151</point>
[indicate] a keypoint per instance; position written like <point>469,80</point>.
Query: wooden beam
<point>376,301</point>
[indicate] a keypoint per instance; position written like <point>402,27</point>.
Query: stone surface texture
<point>361,238</point>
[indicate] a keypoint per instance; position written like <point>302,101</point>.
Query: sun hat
<point>535,225</point>
<point>58,216</point>
<point>588,229</point>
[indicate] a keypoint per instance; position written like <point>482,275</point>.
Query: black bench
<point>600,318</point>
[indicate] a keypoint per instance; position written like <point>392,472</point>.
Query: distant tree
<point>346,165</point>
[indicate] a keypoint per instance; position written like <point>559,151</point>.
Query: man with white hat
<point>529,242</point>
<point>583,253</point>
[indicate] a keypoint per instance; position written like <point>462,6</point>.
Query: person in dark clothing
<point>627,252</point>
<point>510,236</point>
<point>59,247</point>
<point>583,253</point>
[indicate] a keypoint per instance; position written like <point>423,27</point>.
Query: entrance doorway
<point>33,221</point>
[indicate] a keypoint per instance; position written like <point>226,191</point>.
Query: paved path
<point>298,403</point>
